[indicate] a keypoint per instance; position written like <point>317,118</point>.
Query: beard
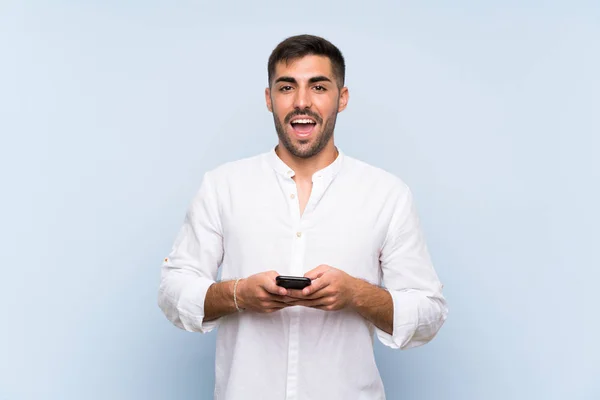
<point>305,149</point>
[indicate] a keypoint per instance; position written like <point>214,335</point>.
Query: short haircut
<point>296,47</point>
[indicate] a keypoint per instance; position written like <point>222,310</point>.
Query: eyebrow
<point>314,79</point>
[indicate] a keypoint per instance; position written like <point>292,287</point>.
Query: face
<point>305,99</point>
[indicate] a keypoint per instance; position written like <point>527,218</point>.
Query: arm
<point>189,295</point>
<point>219,300</point>
<point>419,308</point>
<point>333,289</point>
<point>258,293</point>
<point>374,304</point>
<point>190,270</point>
<point>411,310</point>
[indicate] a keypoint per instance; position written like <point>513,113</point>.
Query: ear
<point>268,99</point>
<point>343,101</point>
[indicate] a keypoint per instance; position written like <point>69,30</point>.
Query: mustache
<point>297,113</point>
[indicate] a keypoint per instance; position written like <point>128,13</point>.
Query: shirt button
<point>299,234</point>
<point>290,172</point>
<point>292,196</point>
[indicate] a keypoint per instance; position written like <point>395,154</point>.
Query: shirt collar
<point>327,173</point>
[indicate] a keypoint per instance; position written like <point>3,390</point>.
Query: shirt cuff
<point>417,319</point>
<point>191,307</point>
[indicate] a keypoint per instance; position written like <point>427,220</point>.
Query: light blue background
<point>111,112</point>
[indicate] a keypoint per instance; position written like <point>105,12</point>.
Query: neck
<point>304,168</point>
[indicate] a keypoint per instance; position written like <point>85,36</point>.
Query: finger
<point>270,285</point>
<point>291,300</point>
<point>273,309</point>
<point>312,303</point>
<point>296,293</point>
<point>317,272</point>
<point>314,291</point>
<point>319,295</point>
<point>279,299</point>
<point>315,286</point>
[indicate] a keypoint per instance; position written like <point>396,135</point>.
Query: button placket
<point>299,239</point>
<point>296,269</point>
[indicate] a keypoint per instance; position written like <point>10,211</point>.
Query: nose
<point>302,99</point>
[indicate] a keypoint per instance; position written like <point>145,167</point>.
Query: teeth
<point>302,121</point>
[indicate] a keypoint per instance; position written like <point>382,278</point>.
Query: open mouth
<point>303,126</point>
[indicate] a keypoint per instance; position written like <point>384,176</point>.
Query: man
<point>302,209</point>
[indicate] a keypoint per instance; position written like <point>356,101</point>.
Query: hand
<point>331,289</point>
<point>260,293</point>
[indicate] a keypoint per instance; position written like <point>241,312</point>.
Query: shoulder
<point>374,177</point>
<point>236,169</point>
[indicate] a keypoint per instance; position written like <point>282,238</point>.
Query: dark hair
<point>299,46</point>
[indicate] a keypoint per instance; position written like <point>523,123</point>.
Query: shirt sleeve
<point>192,265</point>
<point>408,274</point>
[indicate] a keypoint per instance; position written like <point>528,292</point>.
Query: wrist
<point>238,295</point>
<point>356,300</point>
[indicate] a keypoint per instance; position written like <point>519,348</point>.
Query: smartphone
<point>292,282</point>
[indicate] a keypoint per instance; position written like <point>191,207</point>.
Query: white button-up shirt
<point>246,219</point>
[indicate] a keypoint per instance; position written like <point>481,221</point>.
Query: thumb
<point>317,272</point>
<point>270,285</point>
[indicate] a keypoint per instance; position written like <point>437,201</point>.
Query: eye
<point>285,88</point>
<point>320,88</point>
